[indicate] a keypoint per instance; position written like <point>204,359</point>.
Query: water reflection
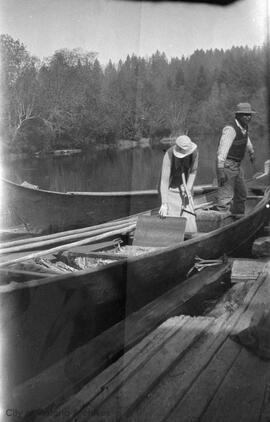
<point>112,170</point>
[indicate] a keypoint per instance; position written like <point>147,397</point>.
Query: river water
<point>115,170</point>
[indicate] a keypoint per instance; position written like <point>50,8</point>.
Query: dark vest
<point>238,147</point>
<point>179,166</point>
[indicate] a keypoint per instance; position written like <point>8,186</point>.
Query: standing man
<point>178,174</point>
<point>233,144</point>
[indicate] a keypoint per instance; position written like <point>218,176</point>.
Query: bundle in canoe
<point>43,211</point>
<point>93,284</point>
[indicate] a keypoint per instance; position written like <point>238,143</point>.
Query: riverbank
<point>122,144</point>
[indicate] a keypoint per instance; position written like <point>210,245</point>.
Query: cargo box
<point>212,220</point>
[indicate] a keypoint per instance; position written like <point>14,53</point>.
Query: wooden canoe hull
<point>46,319</point>
<point>47,212</point>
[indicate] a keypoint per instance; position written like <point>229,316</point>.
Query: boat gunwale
<point>131,259</point>
<point>116,193</point>
<point>200,188</point>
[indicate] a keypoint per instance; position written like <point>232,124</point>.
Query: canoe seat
<point>211,220</point>
<point>151,230</point>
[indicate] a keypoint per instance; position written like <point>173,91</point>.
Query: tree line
<point>82,103</point>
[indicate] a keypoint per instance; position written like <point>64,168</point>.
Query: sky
<point>114,28</point>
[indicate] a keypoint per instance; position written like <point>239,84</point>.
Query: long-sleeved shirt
<point>166,173</point>
<point>226,140</point>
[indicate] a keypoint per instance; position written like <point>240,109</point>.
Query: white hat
<point>183,146</point>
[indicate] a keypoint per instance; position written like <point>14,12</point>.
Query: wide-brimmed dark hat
<point>244,108</point>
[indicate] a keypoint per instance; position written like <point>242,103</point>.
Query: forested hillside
<point>84,103</point>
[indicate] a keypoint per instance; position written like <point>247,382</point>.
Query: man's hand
<point>221,176</point>
<point>163,211</point>
<point>183,191</point>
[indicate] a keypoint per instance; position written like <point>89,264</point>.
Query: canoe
<point>47,317</point>
<point>167,142</point>
<point>43,211</point>
<point>58,152</point>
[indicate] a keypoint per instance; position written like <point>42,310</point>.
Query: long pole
<point>69,245</point>
<point>89,234</point>
<point>191,202</point>
<point>67,233</point>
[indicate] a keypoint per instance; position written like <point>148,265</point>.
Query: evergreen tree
<point>137,97</point>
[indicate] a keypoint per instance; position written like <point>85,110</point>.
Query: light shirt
<point>166,171</point>
<point>225,143</point>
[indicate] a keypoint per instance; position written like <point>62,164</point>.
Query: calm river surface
<point>114,170</point>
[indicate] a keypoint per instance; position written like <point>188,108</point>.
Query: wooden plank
<point>167,400</point>
<point>125,388</point>
<point>155,231</point>
<point>62,379</point>
<point>108,380</point>
<point>158,405</point>
<point>209,381</point>
<point>246,269</point>
<point>240,395</point>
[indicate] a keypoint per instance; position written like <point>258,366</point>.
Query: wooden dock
<point>58,382</point>
<point>187,369</point>
<point>162,364</point>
